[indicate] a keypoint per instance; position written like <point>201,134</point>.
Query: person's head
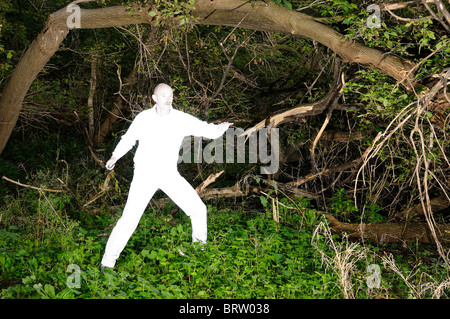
<point>163,97</point>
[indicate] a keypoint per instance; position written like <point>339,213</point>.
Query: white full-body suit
<point>155,167</point>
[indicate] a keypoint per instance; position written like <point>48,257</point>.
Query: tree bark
<point>256,15</point>
<point>436,204</point>
<point>92,89</point>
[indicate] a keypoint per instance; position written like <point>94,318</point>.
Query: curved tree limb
<point>267,16</point>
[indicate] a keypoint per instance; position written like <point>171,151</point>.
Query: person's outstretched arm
<point>198,127</point>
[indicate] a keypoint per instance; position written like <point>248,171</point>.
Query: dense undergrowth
<point>249,255</point>
<point>51,244</point>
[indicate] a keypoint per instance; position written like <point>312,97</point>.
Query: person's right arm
<point>127,141</point>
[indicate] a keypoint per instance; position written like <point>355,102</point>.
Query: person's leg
<point>185,196</point>
<point>140,193</point>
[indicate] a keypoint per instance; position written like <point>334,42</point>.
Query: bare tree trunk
<point>115,112</point>
<point>92,89</point>
<point>256,15</point>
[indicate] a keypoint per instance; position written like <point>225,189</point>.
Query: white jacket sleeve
<point>128,140</point>
<point>198,127</point>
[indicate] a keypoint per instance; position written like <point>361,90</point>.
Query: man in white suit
<point>160,131</point>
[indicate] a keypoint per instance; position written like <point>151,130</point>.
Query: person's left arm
<point>198,127</point>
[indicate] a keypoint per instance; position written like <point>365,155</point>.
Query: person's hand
<point>111,163</point>
<point>224,126</point>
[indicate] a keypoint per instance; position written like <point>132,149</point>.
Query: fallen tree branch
<point>319,134</point>
<point>402,5</point>
<point>442,10</point>
<point>436,204</point>
<point>211,179</point>
<point>391,232</point>
<point>237,191</point>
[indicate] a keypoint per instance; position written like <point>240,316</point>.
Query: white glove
<point>111,163</point>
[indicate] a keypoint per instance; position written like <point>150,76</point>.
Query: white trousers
<point>143,186</point>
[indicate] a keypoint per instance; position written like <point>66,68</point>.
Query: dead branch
<point>391,232</point>
<point>92,91</point>
<point>302,110</point>
<point>33,187</point>
<point>402,5</point>
<point>104,189</point>
<point>95,157</point>
<point>442,10</point>
<point>405,19</point>
<point>211,179</point>
<point>325,123</point>
<point>237,190</point>
<point>436,204</point>
<point>327,171</point>
<point>343,137</point>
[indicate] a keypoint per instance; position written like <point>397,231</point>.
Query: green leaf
<point>153,254</point>
<point>288,5</point>
<point>263,201</point>
<point>145,253</point>
<point>65,294</point>
<point>277,256</point>
<point>50,290</point>
<point>28,280</point>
